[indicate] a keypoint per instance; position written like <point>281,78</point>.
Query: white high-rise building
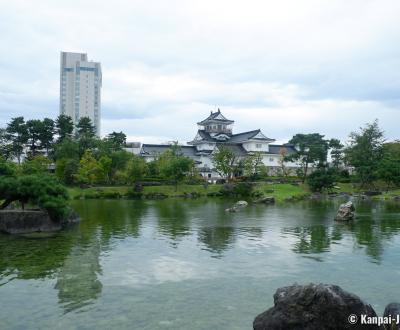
<point>80,86</point>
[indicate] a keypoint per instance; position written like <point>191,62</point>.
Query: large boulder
<point>29,221</point>
<point>265,200</point>
<point>392,311</point>
<point>238,205</point>
<point>345,212</point>
<point>314,307</point>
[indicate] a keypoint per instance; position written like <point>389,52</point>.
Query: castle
<point>216,131</point>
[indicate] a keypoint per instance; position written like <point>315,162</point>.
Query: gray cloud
<point>284,67</point>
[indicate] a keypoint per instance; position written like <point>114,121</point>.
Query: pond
<point>187,264</point>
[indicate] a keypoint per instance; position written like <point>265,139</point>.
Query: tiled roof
<point>236,138</point>
<point>216,116</point>
<point>241,137</point>
<point>237,149</point>
<point>275,148</point>
<point>158,149</point>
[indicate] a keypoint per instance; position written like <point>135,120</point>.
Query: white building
<point>80,86</point>
<point>216,131</point>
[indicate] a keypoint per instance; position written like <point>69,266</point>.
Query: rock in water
<point>241,204</point>
<point>392,310</point>
<point>265,200</point>
<point>238,205</point>
<point>345,212</point>
<point>314,307</point>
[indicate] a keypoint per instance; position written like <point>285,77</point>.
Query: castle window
<point>258,145</point>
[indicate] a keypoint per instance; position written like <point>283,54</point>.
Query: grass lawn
<point>280,191</point>
<point>283,191</point>
<point>76,192</point>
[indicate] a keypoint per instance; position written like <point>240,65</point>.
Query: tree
<point>66,169</point>
<point>173,165</point>
<point>85,128</point>
<point>117,140</point>
<point>46,135</point>
<point>86,135</point>
<point>336,152</point>
<point>176,169</point>
<point>136,169</point>
<point>67,148</point>
<point>36,165</point>
<point>389,166</point>
<point>312,149</point>
<point>17,134</point>
<point>365,152</point>
<point>34,129</point>
<point>120,159</point>
<point>41,190</point>
<point>253,164</point>
<point>106,166</point>
<point>225,162</point>
<point>5,148</point>
<point>282,162</point>
<point>7,168</point>
<point>322,178</point>
<point>64,127</point>
<point>90,170</point>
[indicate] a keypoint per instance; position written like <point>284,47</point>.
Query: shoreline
<point>281,192</point>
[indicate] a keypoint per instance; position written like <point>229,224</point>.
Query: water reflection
<point>315,239</point>
<point>217,239</point>
<point>142,233</point>
<point>77,280</point>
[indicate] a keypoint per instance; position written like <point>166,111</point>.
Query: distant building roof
<point>235,138</point>
<point>242,137</point>
<point>215,117</point>
<point>275,148</point>
<point>158,149</point>
<point>237,149</point>
<point>132,145</point>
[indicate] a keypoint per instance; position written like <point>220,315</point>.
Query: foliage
<point>41,190</point>
<point>17,134</point>
<point>7,168</point>
<point>389,166</point>
<point>312,149</point>
<point>90,171</point>
<point>36,165</point>
<point>321,178</point>
<point>136,169</point>
<point>283,171</point>
<point>5,150</point>
<point>336,152</point>
<point>64,127</point>
<point>47,132</point>
<point>117,140</point>
<point>365,151</point>
<point>67,148</point>
<point>225,162</point>
<point>237,189</point>
<point>85,128</point>
<point>174,166</point>
<point>66,169</point>
<point>253,165</point>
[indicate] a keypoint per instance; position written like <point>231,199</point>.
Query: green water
<point>178,264</point>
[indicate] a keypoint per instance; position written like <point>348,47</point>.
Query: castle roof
<point>216,117</point>
<point>202,135</point>
<point>158,149</point>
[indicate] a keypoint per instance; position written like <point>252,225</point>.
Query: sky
<point>284,67</point>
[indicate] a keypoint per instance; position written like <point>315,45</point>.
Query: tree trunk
<point>305,172</point>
